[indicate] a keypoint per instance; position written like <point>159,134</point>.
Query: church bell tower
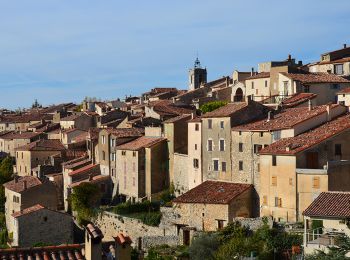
<point>197,75</point>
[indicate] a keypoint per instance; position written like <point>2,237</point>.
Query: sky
<point>64,50</point>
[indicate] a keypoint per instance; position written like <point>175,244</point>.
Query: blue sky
<point>63,50</point>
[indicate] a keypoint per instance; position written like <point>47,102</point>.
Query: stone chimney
<point>93,242</point>
<point>24,184</point>
<point>344,45</point>
<point>123,246</point>
<point>329,115</point>
<point>310,104</point>
<point>269,116</point>
<point>252,72</point>
<point>289,57</point>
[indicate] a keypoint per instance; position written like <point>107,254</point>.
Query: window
<point>258,166</point>
<point>112,142</point>
<point>240,166</point>
<point>264,200</point>
<point>195,146</point>
<point>337,149</point>
<point>195,163</point>
<point>103,155</point>
<point>123,153</point>
<point>257,92</point>
<point>134,154</point>
<point>223,166</point>
<point>210,145</point>
<point>222,145</point>
<point>338,69</point>
<point>276,135</point>
<point>22,155</point>
<point>196,127</point>
<point>240,147</point>
<point>124,167</point>
<point>274,160</point>
<point>222,124</point>
<point>261,134</point>
<point>290,181</point>
<point>265,83</point>
<point>210,123</point>
<point>316,182</point>
<point>278,202</point>
<point>306,88</point>
<point>220,224</point>
<point>252,84</point>
<point>257,148</point>
<point>274,181</point>
<point>134,167</point>
<point>112,172</point>
<point>112,157</point>
<point>216,165</point>
<point>240,132</point>
<point>103,139</point>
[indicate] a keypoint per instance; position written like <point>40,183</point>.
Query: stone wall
<point>254,223</point>
<point>181,165</point>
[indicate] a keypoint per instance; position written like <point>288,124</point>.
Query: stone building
<point>36,153</point>
<point>194,164</point>
<point>212,205</point>
<point>109,139</point>
<point>216,136</point>
<point>80,121</point>
<point>249,139</point>
<point>343,97</point>
<point>12,140</point>
<point>24,192</point>
<point>142,168</point>
<point>197,76</point>
<point>335,62</point>
<point>295,170</point>
<point>38,224</point>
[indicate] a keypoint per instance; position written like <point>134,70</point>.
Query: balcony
<point>320,239</point>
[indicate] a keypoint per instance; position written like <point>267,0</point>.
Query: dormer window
<point>338,69</point>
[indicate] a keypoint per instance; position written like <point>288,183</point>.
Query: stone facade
<point>181,173</point>
<point>194,164</point>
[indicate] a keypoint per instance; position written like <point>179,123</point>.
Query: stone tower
<point>197,76</point>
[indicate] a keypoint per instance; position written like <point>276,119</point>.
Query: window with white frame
<point>222,145</point>
<point>216,165</point>
<point>210,145</point>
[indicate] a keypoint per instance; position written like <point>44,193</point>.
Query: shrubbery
<point>210,106</point>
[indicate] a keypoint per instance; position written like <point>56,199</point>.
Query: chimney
<point>252,72</point>
<point>269,116</point>
<point>309,104</point>
<point>24,184</point>
<point>288,147</point>
<point>329,116</point>
<point>90,177</point>
<point>344,45</point>
<point>93,242</point>
<point>16,177</point>
<point>289,57</point>
<point>192,115</point>
<point>300,63</point>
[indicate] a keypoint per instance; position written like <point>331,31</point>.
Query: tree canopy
<point>210,106</point>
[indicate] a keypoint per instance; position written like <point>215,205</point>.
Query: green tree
<point>210,106</point>
<point>6,172</point>
<point>84,199</point>
<point>204,247</point>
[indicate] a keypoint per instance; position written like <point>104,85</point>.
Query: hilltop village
<point>102,179</point>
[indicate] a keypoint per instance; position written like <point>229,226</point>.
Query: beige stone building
<point>69,136</point>
<point>343,97</point>
<point>36,153</point>
<point>142,168</point>
<point>335,62</point>
<point>24,192</point>
<point>38,224</point>
<point>295,170</point>
<point>216,136</point>
<point>12,140</point>
<point>249,139</point>
<point>211,205</point>
<point>194,164</point>
<point>80,121</point>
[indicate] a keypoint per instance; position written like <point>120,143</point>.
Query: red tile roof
<point>22,182</point>
<point>139,143</point>
<point>298,99</point>
<point>259,75</point>
<point>94,179</point>
<point>43,145</point>
<point>71,251</point>
<point>294,145</point>
<point>344,91</point>
<point>342,60</point>
<point>213,192</point>
<point>177,118</point>
<point>319,77</point>
<point>330,204</point>
<point>226,111</point>
<point>20,135</point>
<point>125,132</point>
<point>90,168</point>
<point>28,210</point>
<point>285,119</point>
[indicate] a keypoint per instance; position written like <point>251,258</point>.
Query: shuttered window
<point>274,181</point>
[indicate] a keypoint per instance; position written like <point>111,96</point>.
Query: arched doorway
<point>238,95</point>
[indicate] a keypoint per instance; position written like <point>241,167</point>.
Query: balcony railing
<point>321,237</point>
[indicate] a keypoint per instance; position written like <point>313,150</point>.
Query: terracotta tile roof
<point>298,99</point>
<point>20,135</point>
<point>226,111</point>
<point>319,77</point>
<point>177,118</point>
<point>28,210</point>
<point>294,145</point>
<point>93,133</point>
<point>43,145</point>
<point>285,119</point>
<point>94,179</point>
<point>344,91</point>
<point>70,251</point>
<point>87,169</point>
<point>259,75</point>
<point>82,137</point>
<point>330,204</point>
<point>342,60</point>
<point>213,192</point>
<point>197,119</point>
<point>172,110</point>
<point>76,162</point>
<point>125,132</point>
<point>71,117</point>
<point>23,183</point>
<point>26,118</point>
<point>139,143</point>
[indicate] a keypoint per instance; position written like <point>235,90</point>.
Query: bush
<point>128,207</point>
<point>210,106</point>
<point>204,247</point>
